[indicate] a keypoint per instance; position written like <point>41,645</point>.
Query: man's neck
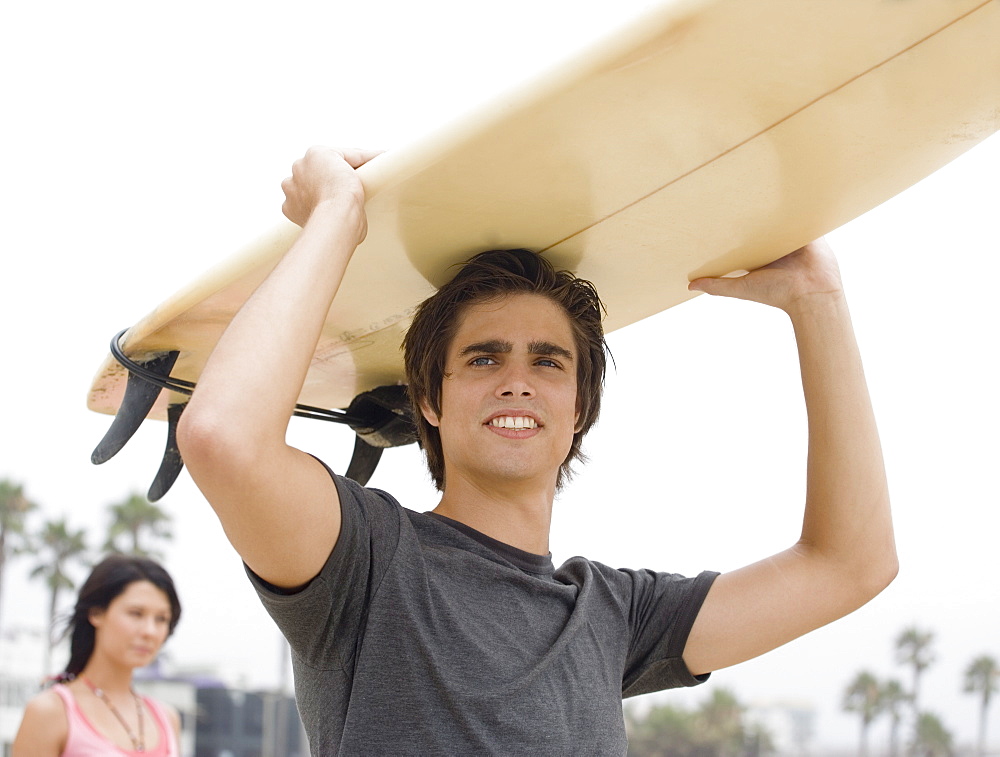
<point>517,516</point>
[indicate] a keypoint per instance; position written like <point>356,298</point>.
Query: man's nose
<point>515,381</point>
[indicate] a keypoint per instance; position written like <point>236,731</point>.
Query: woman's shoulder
<point>47,703</point>
<point>44,726</point>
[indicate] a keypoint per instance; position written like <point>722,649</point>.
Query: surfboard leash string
<point>181,386</point>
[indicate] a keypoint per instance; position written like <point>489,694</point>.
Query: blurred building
<point>218,721</point>
<point>21,652</point>
<point>791,725</point>
<point>247,724</point>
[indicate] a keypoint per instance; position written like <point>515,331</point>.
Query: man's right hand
<point>326,175</point>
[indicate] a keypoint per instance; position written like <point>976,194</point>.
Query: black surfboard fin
<point>140,396</point>
<point>172,464</point>
<point>363,461</point>
<point>382,418</point>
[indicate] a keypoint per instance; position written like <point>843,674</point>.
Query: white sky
<point>143,143</point>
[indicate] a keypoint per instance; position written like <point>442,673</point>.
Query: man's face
<point>508,399</point>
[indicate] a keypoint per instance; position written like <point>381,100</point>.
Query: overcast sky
<point>144,143</point>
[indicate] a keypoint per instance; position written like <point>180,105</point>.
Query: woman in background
<point>126,609</point>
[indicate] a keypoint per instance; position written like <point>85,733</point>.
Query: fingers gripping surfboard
<point>707,137</point>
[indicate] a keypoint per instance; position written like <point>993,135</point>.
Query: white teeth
<point>509,421</point>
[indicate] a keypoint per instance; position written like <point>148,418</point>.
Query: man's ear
<point>429,415</point>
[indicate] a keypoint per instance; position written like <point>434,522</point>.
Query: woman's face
<point>134,626</point>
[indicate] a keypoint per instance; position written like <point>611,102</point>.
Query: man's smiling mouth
<point>513,421</point>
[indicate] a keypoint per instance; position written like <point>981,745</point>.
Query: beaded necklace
<point>138,744</point>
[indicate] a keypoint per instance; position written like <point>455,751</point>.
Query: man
<point>450,632</point>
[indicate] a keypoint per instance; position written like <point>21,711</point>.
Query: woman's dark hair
<point>107,580</point>
<point>488,276</point>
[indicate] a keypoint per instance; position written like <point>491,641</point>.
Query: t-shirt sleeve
<point>662,611</point>
<point>324,621</point>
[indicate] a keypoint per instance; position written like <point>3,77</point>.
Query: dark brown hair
<point>488,276</point>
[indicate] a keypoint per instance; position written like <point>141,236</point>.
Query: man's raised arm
<point>277,504</point>
<point>846,554</point>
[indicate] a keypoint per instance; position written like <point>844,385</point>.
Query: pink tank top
<point>83,740</point>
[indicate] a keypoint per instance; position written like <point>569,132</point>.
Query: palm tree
<point>932,738</point>
<point>721,723</point>
<point>59,545</point>
<point>665,731</point>
<point>135,516</point>
<point>913,648</point>
<point>758,741</point>
<point>982,677</point>
<point>14,506</point>
<point>893,696</point>
<point>718,728</point>
<point>864,697</point>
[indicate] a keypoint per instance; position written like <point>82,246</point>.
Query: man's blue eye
<point>482,361</point>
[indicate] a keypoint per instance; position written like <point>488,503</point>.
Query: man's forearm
<point>267,348</point>
<point>847,516</point>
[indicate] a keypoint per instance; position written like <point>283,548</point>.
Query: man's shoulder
<point>348,488</point>
<point>583,568</point>
<point>628,584</point>
<point>367,507</point>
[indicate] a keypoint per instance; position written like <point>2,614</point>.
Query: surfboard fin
<point>382,418</point>
<point>140,396</point>
<point>364,460</point>
<point>172,464</point>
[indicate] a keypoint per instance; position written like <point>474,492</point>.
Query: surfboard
<point>706,137</point>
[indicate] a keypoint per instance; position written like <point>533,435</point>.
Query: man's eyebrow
<point>492,346</point>
<point>501,347</point>
<point>549,349</point>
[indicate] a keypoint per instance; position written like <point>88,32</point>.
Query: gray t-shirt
<point>421,636</point>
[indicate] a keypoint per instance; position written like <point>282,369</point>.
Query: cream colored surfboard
<point>708,136</point>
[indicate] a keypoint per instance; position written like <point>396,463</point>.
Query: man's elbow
<point>206,442</point>
<point>860,574</point>
<point>891,568</point>
<point>878,572</point>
